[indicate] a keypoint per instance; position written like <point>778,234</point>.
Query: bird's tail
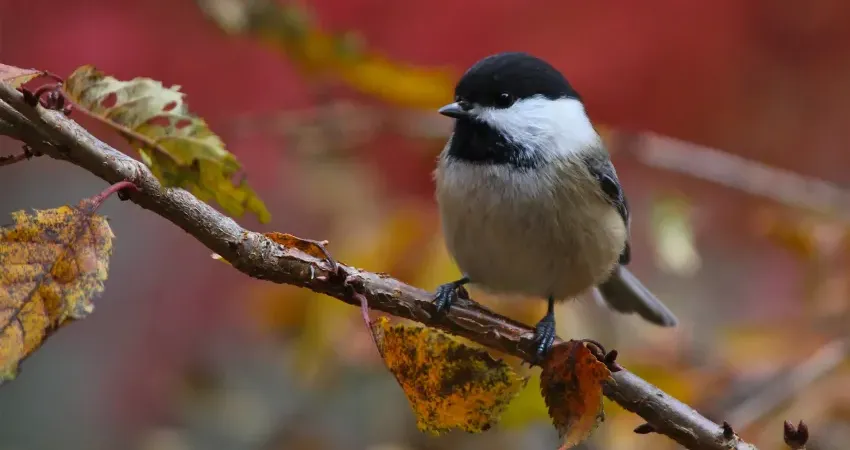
<point>623,292</point>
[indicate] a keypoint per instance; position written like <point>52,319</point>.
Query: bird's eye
<point>504,100</point>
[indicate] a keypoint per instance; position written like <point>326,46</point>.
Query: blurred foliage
<point>52,264</point>
<point>675,247</point>
<point>179,147</point>
<point>290,28</point>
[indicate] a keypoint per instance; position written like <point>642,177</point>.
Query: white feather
<point>543,126</point>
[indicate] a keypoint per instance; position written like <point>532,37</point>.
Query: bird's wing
<point>623,291</point>
<point>600,166</point>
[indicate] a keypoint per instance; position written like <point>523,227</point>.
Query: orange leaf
<point>313,248</point>
<point>571,384</point>
<point>15,76</point>
<point>448,384</point>
<point>309,247</point>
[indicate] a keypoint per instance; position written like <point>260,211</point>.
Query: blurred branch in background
<point>257,256</point>
<point>786,385</point>
<point>785,187</point>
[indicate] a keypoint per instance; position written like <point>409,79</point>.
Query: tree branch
<point>255,255</point>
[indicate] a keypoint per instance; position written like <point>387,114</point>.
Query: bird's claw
<point>544,336</point>
<point>445,296</point>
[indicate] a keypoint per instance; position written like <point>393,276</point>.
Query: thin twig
<point>257,256</point>
<point>17,157</point>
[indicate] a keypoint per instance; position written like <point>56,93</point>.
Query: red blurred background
<point>185,353</point>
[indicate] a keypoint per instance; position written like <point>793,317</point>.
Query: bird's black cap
<point>499,80</point>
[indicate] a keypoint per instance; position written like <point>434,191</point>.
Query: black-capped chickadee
<point>529,200</point>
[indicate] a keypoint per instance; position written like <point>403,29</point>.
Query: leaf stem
<point>98,199</point>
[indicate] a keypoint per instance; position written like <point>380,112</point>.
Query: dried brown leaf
<point>571,384</point>
<point>313,248</point>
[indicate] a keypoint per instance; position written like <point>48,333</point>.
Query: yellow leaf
<point>289,28</point>
<point>449,385</point>
<point>15,76</point>
<point>179,147</point>
<point>52,264</point>
<point>571,384</point>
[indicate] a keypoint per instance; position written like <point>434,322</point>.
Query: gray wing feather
<point>602,169</point>
<point>623,292</point>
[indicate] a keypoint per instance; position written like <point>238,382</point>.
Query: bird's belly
<point>526,245</point>
<point>516,269</point>
<point>530,254</point>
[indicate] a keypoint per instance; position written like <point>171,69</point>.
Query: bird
<point>528,198</point>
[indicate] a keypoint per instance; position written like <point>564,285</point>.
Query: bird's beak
<point>453,110</point>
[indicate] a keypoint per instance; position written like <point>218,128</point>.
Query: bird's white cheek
<point>548,127</point>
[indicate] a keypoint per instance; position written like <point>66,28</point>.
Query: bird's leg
<point>447,294</point>
<point>544,332</point>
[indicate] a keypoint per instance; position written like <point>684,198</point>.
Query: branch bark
<point>51,133</point>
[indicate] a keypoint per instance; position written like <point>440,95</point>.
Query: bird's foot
<point>544,336</point>
<point>447,294</point>
<point>544,333</point>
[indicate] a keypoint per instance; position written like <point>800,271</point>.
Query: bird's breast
<point>537,232</point>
